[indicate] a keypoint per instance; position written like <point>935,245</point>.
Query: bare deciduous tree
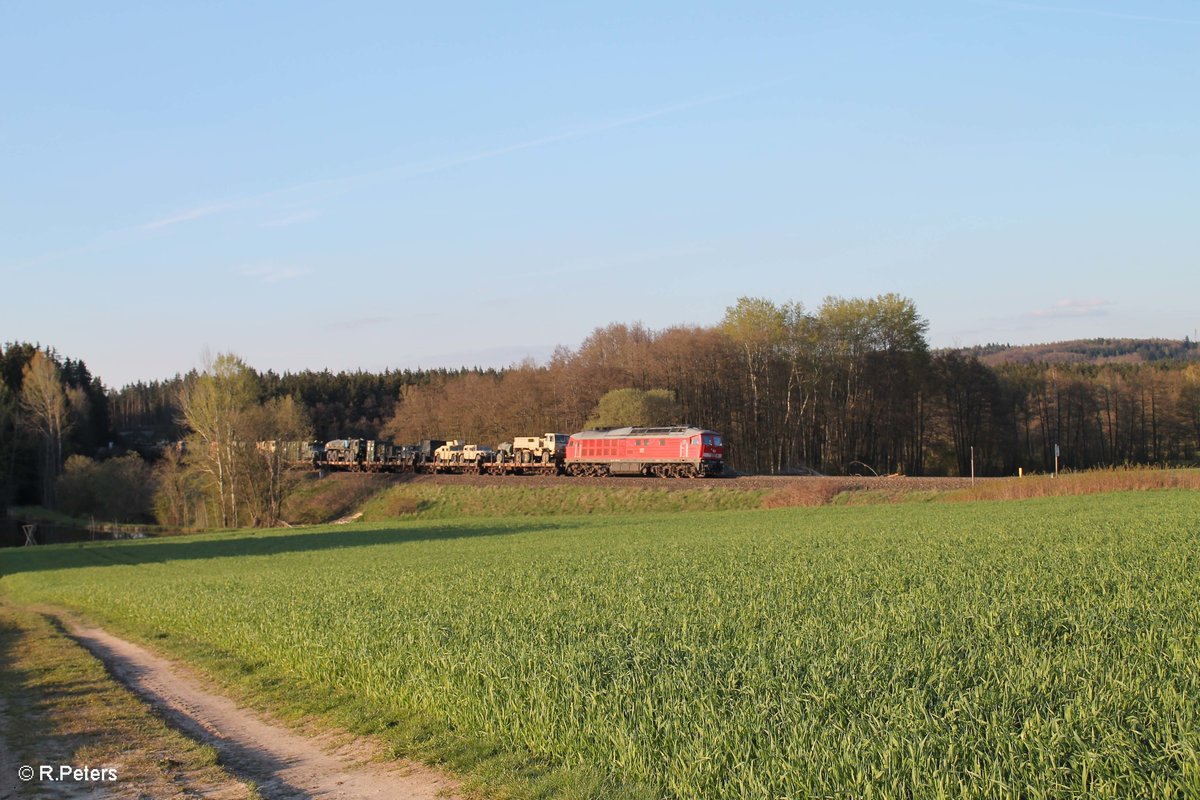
<point>45,407</point>
<point>274,428</point>
<point>212,406</point>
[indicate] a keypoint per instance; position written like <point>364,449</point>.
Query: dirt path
<point>284,764</point>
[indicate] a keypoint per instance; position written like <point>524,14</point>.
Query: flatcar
<point>670,452</point>
<point>675,452</point>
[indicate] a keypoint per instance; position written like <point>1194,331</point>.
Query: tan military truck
<point>477,454</point>
<point>545,449</point>
<point>454,456</point>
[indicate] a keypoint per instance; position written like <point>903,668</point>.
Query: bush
<point>115,490</point>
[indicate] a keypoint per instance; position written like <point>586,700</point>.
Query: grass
<point>1040,649</point>
<point>449,502</point>
<point>1081,483</point>
<point>334,497</point>
<point>1099,481</point>
<point>61,707</point>
<point>318,500</point>
<point>379,498</point>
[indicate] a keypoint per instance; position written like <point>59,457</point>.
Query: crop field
<point>1038,649</point>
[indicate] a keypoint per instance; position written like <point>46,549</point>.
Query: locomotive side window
<point>695,440</point>
<point>662,441</point>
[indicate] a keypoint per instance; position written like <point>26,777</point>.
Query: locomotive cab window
<point>695,440</point>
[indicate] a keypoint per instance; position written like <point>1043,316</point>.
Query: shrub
<point>116,490</point>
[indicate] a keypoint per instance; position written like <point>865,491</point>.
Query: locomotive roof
<point>622,433</point>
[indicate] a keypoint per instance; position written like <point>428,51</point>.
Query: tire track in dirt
<point>284,764</point>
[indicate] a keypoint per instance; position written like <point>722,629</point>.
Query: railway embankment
<point>381,496</point>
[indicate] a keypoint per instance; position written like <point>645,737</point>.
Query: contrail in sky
<point>413,170</point>
<point>402,171</point>
<point>185,216</point>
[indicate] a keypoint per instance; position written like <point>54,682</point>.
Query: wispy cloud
<point>275,274</point>
<point>399,172</point>
<point>55,255</point>
<point>1072,307</point>
<point>289,220</point>
<point>1091,12</point>
<point>421,168</point>
<point>187,216</point>
<point>577,133</point>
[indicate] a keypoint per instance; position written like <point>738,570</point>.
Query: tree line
<point>227,465</point>
<point>50,407</point>
<point>850,386</point>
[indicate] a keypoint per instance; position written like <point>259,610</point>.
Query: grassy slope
<point>378,498</point>
<point>449,502</point>
<point>1045,648</point>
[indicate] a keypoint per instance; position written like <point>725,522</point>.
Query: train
<point>680,451</point>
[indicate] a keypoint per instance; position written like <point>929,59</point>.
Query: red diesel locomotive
<point>665,452</point>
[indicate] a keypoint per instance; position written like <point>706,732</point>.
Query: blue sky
<point>361,185</point>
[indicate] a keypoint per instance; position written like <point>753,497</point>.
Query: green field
<point>1043,648</point>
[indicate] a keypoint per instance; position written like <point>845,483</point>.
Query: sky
<point>394,185</point>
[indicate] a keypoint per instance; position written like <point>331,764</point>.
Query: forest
<point>849,387</point>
